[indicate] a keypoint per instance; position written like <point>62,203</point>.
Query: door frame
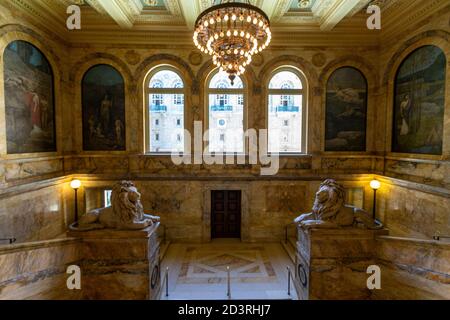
<point>244,187</point>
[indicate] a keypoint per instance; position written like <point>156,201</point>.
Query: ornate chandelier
<point>232,32</point>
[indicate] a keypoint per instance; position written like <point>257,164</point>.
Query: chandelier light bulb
<point>232,44</point>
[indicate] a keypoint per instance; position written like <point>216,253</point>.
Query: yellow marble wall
<point>184,205</point>
<point>411,212</point>
<point>36,212</point>
<point>317,63</point>
<point>37,270</point>
<point>426,169</point>
<point>413,269</point>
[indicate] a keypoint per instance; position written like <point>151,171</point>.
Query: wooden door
<point>226,214</point>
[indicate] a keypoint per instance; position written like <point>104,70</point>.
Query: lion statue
<point>329,211</point>
<point>125,213</point>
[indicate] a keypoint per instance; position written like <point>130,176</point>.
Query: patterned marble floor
<point>257,271</point>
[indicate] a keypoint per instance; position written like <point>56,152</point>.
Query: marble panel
<point>33,215</point>
<point>412,213</point>
<point>413,269</point>
<point>38,270</point>
<point>120,265</point>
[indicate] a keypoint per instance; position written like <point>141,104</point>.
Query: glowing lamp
<point>375,184</point>
<point>75,184</point>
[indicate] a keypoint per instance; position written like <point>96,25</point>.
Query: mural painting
<point>103,109</point>
<point>29,100</point>
<point>420,102</point>
<point>346,111</point>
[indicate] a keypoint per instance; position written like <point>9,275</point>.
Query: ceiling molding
<point>280,9</point>
<point>94,4</point>
<point>190,12</point>
<point>335,11</point>
<point>119,11</point>
<point>128,21</point>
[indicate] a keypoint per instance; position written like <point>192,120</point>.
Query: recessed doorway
<point>226,214</point>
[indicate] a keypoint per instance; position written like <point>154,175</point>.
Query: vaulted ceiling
<point>155,20</point>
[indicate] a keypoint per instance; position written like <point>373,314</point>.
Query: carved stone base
<point>332,263</point>
<point>120,265</point>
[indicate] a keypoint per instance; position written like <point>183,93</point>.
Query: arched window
<point>287,111</point>
<point>165,111</point>
<point>225,114</point>
<point>178,98</point>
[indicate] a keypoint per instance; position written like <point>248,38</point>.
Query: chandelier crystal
<point>232,32</point>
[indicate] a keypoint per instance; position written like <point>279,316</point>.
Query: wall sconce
<point>375,185</point>
<point>75,185</point>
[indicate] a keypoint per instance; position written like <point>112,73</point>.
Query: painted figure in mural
<point>44,114</point>
<point>119,132</point>
<point>105,111</point>
<point>33,102</point>
<point>103,96</point>
<point>420,102</point>
<point>29,105</point>
<point>405,107</point>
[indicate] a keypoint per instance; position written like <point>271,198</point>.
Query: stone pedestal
<point>120,265</point>
<point>331,264</point>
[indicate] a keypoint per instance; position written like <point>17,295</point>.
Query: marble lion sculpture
<point>125,213</point>
<point>329,211</point>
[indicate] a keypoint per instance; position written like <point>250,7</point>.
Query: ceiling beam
<point>331,13</point>
<point>191,10</point>
<point>269,6</point>
<point>118,10</point>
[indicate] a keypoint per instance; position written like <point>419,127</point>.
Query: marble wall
<point>184,205</point>
<point>37,271</point>
<point>413,213</point>
<point>36,203</point>
<point>413,269</point>
<point>38,212</point>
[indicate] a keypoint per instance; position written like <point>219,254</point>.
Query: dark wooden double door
<point>226,214</point>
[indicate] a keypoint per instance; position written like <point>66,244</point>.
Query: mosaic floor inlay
<point>200,271</point>
<point>206,265</point>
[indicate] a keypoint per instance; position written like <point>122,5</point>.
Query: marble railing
<point>37,270</point>
<point>413,269</point>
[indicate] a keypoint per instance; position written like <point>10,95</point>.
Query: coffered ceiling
<point>159,19</point>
